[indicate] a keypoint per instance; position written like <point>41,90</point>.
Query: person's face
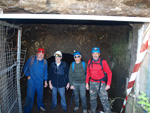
<point>77,58</point>
<point>95,55</point>
<point>58,58</point>
<point>40,56</point>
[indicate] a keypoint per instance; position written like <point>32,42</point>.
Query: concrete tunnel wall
<point>115,43</point>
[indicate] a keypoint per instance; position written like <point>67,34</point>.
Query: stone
<point>81,7</point>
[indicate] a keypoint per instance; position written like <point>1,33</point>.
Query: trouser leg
<point>93,97</point>
<point>54,97</point>
<point>83,95</point>
<point>29,99</point>
<point>40,97</point>
<point>63,98</point>
<point>76,94</point>
<point>103,95</point>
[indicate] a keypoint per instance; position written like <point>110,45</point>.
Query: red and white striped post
<point>139,60</point>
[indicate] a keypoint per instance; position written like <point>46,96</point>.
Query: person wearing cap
<point>36,72</point>
<point>77,75</point>
<point>96,77</point>
<point>58,80</point>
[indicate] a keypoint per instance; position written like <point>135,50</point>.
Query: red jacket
<point>95,71</point>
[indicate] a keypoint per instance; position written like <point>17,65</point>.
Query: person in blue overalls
<point>36,71</point>
<point>58,80</point>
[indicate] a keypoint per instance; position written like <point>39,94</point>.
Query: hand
<point>67,86</point>
<point>107,87</point>
<point>50,85</point>
<point>87,86</point>
<point>45,84</point>
<point>72,87</point>
<point>29,77</point>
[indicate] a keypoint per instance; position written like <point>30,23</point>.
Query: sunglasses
<point>77,56</point>
<point>57,56</point>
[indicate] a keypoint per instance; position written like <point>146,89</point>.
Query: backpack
<point>83,63</point>
<point>105,74</point>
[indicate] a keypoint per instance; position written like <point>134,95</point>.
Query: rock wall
<point>89,7</point>
<point>68,38</point>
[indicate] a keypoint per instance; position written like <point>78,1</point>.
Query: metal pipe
<point>18,69</point>
<point>7,69</point>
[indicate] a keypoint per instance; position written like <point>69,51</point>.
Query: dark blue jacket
<point>58,75</point>
<point>37,71</point>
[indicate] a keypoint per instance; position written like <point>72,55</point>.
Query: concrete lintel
<point>74,17</point>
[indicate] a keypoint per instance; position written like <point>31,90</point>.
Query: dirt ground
<point>47,102</point>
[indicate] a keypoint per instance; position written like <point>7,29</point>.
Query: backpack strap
<point>83,63</point>
<point>90,62</point>
<point>64,67</point>
<point>73,63</point>
<point>32,59</point>
<point>101,60</point>
<point>105,74</point>
<point>44,61</point>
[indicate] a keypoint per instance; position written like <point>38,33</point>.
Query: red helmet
<point>41,50</point>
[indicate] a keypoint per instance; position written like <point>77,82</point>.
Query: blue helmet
<point>76,53</point>
<point>96,49</point>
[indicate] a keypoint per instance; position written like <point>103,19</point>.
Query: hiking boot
<point>85,111</point>
<point>75,109</point>
<point>42,109</point>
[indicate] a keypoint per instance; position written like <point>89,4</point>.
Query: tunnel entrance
<point>115,39</point>
<point>115,42</point>
<point>68,58</point>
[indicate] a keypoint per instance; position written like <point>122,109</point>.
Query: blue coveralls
<point>38,73</point>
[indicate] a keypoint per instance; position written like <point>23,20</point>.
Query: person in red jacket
<point>99,82</point>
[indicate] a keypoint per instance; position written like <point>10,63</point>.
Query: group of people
<point>95,76</point>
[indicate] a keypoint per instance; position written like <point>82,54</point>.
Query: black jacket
<point>58,75</point>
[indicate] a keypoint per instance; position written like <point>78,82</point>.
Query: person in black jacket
<point>58,80</point>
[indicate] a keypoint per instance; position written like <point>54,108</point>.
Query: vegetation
<point>144,102</point>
